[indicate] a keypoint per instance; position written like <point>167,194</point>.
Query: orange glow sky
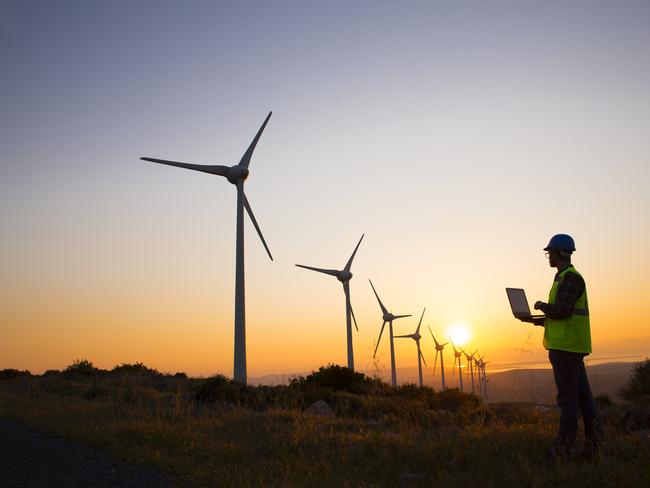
<point>458,140</point>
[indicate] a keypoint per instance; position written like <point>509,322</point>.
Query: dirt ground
<point>35,460</point>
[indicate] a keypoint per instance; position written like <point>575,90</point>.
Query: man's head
<point>559,250</point>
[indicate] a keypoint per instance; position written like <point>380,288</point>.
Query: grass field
<point>245,436</point>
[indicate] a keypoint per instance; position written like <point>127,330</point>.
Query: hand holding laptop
<point>520,308</point>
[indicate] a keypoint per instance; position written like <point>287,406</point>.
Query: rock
<point>321,409</point>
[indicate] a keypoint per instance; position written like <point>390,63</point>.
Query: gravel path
<point>33,460</point>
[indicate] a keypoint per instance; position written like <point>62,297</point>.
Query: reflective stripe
<point>580,311</point>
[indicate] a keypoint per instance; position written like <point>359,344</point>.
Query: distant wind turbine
<point>416,337</point>
<point>457,355</point>
<point>236,175</point>
<point>439,348</point>
<point>388,317</point>
<point>344,277</point>
<point>470,369</point>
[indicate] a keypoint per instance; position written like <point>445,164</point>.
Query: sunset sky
<point>459,136</point>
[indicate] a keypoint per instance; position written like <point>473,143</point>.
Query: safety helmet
<point>561,242</point>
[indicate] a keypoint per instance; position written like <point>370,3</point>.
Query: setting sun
<point>459,333</point>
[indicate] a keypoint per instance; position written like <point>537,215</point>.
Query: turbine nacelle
<point>237,173</point>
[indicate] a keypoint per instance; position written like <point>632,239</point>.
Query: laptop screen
<point>518,302</point>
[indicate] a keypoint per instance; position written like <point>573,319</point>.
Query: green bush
<point>638,388</point>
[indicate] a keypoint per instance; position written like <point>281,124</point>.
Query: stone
<point>320,408</point>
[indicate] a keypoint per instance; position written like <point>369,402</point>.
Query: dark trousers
<point>574,397</point>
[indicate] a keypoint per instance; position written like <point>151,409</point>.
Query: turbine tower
<point>477,363</point>
<point>416,337</point>
<point>439,348</point>
<point>388,317</point>
<point>344,277</point>
<point>470,369</point>
<point>484,379</point>
<point>457,355</point>
<point>236,175</point>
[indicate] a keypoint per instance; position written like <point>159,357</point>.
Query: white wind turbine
<point>416,337</point>
<point>236,175</point>
<point>457,355</point>
<point>470,369</point>
<point>439,348</point>
<point>344,277</point>
<point>388,317</point>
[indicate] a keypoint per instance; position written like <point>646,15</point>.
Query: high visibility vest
<point>571,333</point>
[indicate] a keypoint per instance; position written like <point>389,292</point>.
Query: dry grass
<point>219,444</point>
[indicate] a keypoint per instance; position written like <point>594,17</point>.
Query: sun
<point>459,333</point>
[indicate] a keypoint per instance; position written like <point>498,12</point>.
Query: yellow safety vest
<point>571,333</point>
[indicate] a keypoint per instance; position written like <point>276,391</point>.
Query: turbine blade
<point>346,289</point>
<point>405,335</point>
<point>348,265</point>
<point>401,316</point>
<point>353,317</point>
<point>417,331</point>
<point>435,362</point>
<point>421,355</point>
<point>453,371</point>
<point>331,272</point>
<point>379,340</point>
<point>257,227</point>
<point>434,337</point>
<point>218,170</point>
<point>246,158</point>
<point>381,305</point>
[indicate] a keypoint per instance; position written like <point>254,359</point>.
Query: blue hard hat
<point>561,242</point>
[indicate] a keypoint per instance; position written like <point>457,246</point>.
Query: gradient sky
<point>459,136</point>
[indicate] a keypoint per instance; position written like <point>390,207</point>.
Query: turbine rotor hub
<point>237,173</point>
<point>344,276</point>
<point>389,317</point>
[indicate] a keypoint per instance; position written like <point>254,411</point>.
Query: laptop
<point>519,304</point>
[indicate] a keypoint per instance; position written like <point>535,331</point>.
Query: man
<point>567,337</point>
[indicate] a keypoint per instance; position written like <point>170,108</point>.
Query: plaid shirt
<point>568,292</point>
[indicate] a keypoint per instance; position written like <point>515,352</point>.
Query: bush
<point>338,378</point>
<point>135,368</point>
<point>8,374</point>
<point>80,367</point>
<point>638,388</point>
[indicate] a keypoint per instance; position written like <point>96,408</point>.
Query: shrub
<point>80,367</point>
<point>7,374</point>
<point>638,388</point>
<point>338,378</point>
<point>135,368</point>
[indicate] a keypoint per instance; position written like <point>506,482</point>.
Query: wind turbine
<point>457,355</point>
<point>236,175</point>
<point>416,337</point>
<point>344,277</point>
<point>470,371</point>
<point>388,317</point>
<point>484,378</point>
<point>439,348</point>
<point>477,363</point>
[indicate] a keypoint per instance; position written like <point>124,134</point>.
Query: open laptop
<point>519,304</point>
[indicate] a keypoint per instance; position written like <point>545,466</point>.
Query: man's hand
<point>538,305</point>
